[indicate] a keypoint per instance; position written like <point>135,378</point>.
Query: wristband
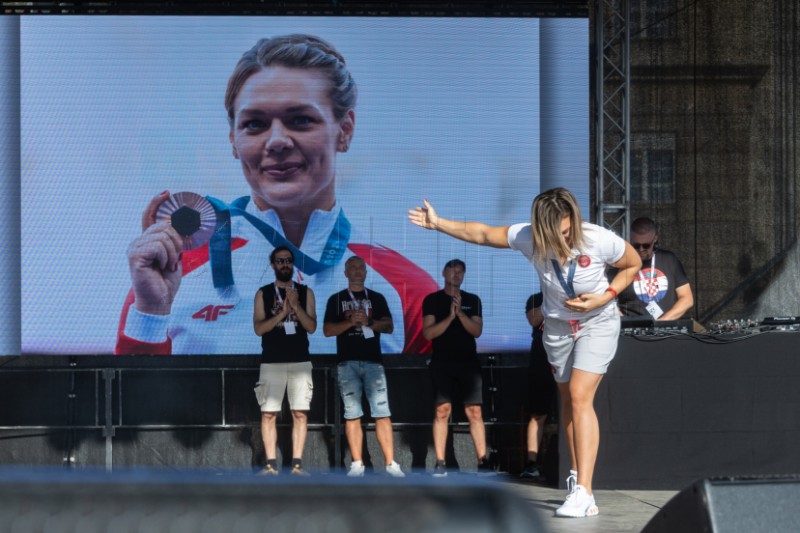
<point>145,327</point>
<point>612,291</point>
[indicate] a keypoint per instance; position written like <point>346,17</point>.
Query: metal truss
<point>613,117</point>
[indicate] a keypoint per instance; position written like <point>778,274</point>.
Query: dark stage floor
<point>172,500</point>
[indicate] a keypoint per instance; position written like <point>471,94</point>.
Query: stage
<point>234,500</point>
<point>672,409</point>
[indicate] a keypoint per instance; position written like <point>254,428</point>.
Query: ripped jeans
<point>353,378</point>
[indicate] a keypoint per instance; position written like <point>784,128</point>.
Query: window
<point>652,171</point>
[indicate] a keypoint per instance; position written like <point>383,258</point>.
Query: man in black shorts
<point>541,388</point>
<point>452,321</point>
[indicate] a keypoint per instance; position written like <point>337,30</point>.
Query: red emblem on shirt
<point>584,261</point>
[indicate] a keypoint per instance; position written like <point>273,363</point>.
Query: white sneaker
<point>579,504</point>
<point>393,469</point>
<point>356,469</point>
<point>572,481</point>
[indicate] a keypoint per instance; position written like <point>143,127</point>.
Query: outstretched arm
<point>474,232</point>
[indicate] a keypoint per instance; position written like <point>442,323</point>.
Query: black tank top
<point>276,345</point>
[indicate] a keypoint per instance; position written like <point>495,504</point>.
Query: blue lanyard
<point>220,245</point>
<point>566,284</point>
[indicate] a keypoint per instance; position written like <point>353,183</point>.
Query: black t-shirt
<point>658,286</point>
<point>351,345</point>
<point>276,345</point>
<point>534,300</point>
<point>538,353</point>
<point>455,343</point>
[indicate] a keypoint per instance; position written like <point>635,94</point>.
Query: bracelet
<point>612,291</point>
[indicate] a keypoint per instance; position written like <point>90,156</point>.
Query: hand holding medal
<point>191,215</point>
<point>170,225</point>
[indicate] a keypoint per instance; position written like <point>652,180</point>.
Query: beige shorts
<point>276,379</point>
<point>587,345</point>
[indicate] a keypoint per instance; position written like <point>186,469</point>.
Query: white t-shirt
<point>602,247</point>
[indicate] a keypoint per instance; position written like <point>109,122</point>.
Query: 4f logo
<point>211,312</point>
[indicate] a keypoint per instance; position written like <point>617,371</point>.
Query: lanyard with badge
<point>652,283</point>
<point>288,325</point>
<point>566,284</point>
<point>365,330</point>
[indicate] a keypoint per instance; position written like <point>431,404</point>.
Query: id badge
<point>367,332</point>
<point>289,328</point>
<point>654,310</point>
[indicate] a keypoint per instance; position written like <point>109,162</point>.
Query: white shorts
<point>589,344</point>
<point>275,379</point>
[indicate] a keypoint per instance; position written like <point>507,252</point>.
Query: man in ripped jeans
<point>357,317</point>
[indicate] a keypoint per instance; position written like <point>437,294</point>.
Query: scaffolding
<point>612,112</point>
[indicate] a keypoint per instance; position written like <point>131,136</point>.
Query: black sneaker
<point>297,470</point>
<point>486,467</point>
<point>268,470</point>
<point>531,471</point>
<point>440,469</point>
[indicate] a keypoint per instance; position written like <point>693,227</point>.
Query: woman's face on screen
<point>286,137</point>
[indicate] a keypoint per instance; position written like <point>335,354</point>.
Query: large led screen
<point>474,115</point>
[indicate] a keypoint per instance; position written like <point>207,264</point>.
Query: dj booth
<point>675,407</point>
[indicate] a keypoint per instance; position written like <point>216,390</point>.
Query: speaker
<point>238,502</point>
<point>731,505</point>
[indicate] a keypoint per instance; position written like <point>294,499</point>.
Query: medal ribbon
<point>220,245</point>
<point>566,284</point>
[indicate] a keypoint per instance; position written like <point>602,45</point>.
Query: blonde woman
<point>581,318</point>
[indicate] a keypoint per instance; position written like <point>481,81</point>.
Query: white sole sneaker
<point>593,510</point>
<point>578,504</point>
<point>356,470</point>
<point>393,470</point>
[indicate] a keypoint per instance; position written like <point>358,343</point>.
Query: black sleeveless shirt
<point>276,345</point>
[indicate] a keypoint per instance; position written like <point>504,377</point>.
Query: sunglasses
<point>284,261</point>
<point>642,245</point>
